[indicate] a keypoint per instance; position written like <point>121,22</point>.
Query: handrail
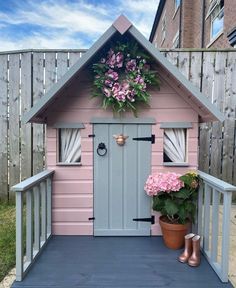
<point>32,181</point>
<point>38,190</point>
<point>213,193</point>
<point>217,183</point>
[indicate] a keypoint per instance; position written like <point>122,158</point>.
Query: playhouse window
<point>69,145</point>
<point>175,145</point>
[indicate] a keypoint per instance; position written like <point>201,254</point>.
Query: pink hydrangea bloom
<point>163,182</point>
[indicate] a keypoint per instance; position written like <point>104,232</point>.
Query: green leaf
<point>183,193</point>
<point>171,207</point>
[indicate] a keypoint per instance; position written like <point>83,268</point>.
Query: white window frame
<point>213,18</point>
<point>60,163</point>
<point>177,164</point>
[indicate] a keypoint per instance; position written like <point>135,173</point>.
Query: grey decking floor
<point>81,261</point>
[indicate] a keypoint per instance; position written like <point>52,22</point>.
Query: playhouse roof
<point>206,110</point>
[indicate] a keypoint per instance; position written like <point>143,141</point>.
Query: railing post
<point>19,236</point>
<point>225,235</point>
<point>29,230</point>
<point>36,218</point>
<point>49,206</point>
<point>199,210</point>
<point>215,225</point>
<point>43,211</point>
<point>206,217</point>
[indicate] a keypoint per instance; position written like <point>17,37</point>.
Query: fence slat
<point>218,100</point>
<point>205,129</point>
<point>3,127</point>
<point>26,103</point>
<point>38,129</point>
<point>14,116</point>
<point>50,70</point>
<point>74,57</point>
<point>62,64</point>
<point>229,124</point>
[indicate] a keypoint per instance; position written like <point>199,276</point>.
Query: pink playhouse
<point>98,182</point>
<point>122,112</point>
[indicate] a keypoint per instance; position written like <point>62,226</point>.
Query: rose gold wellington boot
<point>195,258</point>
<point>187,248</point>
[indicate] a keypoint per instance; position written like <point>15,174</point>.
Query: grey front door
<point>119,178</point>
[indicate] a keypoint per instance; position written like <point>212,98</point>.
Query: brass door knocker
<point>120,139</point>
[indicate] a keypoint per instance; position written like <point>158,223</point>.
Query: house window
<point>176,41</point>
<point>216,13</point>
<point>177,3</point>
<point>69,145</point>
<point>163,28</point>
<point>175,145</point>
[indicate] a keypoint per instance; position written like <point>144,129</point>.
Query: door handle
<point>102,149</point>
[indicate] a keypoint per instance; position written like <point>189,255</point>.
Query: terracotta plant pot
<point>173,234</point>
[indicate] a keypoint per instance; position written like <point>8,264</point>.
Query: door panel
<point>119,178</point>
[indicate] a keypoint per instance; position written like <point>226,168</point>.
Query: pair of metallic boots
<point>191,254</point>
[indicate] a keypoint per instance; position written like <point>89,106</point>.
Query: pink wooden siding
<point>73,185</point>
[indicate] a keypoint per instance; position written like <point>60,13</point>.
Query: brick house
<point>195,24</point>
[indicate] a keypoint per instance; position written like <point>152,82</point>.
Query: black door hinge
<point>91,218</point>
<point>151,139</point>
<point>91,135</point>
<point>151,219</point>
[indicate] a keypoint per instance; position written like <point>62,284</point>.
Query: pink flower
<point>112,74</point>
<point>108,83</point>
<point>119,60</point>
<point>111,61</point>
<point>116,88</point>
<point>103,60</point>
<point>163,182</point>
<point>107,92</point>
<point>131,65</point>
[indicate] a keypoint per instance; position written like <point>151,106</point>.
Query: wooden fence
<point>25,76</point>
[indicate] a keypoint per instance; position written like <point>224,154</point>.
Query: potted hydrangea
<point>174,196</point>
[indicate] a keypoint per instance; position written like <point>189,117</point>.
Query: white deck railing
<point>215,197</point>
<point>38,190</point>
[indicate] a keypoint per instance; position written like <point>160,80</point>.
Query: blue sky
<point>52,24</point>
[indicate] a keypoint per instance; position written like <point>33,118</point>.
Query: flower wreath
<point>122,77</point>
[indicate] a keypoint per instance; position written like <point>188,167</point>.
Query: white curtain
<point>175,144</point>
<point>70,145</point>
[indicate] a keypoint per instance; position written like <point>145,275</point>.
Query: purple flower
<point>139,80</point>
<point>116,88</point>
<point>108,83</point>
<point>131,65</point>
<point>107,92</point>
<point>119,60</point>
<point>111,61</point>
<point>112,74</point>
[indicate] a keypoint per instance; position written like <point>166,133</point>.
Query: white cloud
<point>60,23</point>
